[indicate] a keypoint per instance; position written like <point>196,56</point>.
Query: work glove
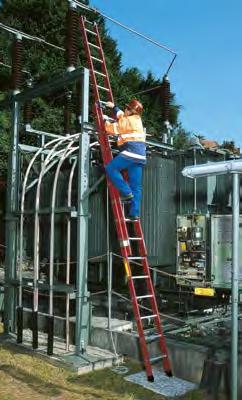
<point>109,104</point>
<point>105,118</point>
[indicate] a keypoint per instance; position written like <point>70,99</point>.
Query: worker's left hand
<point>109,104</point>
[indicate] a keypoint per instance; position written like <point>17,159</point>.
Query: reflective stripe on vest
<point>133,155</point>
<point>131,137</point>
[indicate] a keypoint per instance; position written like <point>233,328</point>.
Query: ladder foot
<point>151,378</point>
<point>169,373</point>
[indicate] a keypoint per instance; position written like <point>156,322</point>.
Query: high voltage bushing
<point>71,39</point>
<point>17,62</point>
<point>165,99</point>
<point>67,112</point>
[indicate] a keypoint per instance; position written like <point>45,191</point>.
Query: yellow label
<point>127,269</point>
<point>183,246</point>
<point>204,291</point>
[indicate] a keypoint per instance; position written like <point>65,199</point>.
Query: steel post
<point>235,288</point>
<point>11,224</point>
<point>82,296</point>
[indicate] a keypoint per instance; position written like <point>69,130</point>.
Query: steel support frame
<point>11,224</point>
<point>82,295</point>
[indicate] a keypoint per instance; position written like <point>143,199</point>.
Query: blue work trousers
<point>134,184</point>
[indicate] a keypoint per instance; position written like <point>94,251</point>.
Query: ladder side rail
<point>110,96</point>
<point>162,344</point>
<point>89,59</point>
<point>105,146</point>
<point>142,340</point>
<point>121,227</point>
<point>104,66</point>
<point>139,232</point>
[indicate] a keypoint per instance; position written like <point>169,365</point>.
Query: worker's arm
<point>112,128</point>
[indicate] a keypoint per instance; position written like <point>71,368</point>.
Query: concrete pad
<point>167,387</point>
<point>92,359</point>
<point>116,324</point>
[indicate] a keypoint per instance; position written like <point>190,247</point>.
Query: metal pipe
<point>235,287</point>
<point>213,168</point>
<point>68,253</point>
<point>11,224</point>
<point>66,154</point>
<point>48,134</point>
<point>109,264</point>
<point>195,183</point>
<point>82,308</point>
<point>68,151</point>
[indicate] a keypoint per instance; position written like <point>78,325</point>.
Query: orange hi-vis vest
<point>128,129</point>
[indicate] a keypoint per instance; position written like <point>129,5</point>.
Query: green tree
<point>47,19</point>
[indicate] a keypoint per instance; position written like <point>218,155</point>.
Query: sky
<point>207,74</point>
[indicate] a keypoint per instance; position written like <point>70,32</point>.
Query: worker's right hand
<point>105,118</point>
<point>109,104</point>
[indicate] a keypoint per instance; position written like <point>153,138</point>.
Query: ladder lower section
<point>129,232</point>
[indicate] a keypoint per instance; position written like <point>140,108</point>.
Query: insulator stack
<point>17,63</point>
<point>71,39</point>
<point>27,113</point>
<point>165,99</point>
<point>67,112</point>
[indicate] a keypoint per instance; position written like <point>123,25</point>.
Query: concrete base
<point>92,359</point>
<point>180,354</point>
<point>167,387</point>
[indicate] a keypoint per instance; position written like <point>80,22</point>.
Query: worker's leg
<point>135,180</point>
<point>113,169</point>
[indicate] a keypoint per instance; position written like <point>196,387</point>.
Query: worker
<point>132,156</point>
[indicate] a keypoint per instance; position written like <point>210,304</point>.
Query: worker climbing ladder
<point>129,231</point>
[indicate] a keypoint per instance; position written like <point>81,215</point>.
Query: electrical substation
<point>64,280</point>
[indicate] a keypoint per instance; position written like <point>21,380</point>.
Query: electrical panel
<point>221,251</point>
<point>191,250</point>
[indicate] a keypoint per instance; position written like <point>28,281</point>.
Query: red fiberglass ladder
<point>138,263</point>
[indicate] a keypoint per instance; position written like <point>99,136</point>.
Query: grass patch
<point>29,377</point>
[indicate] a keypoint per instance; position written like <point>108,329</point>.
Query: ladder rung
<point>97,59</point>
<point>152,338</point>
<point>93,33</point>
<point>100,73</point>
<point>135,238</point>
<point>149,316</point>
<point>94,45</point>
<point>140,277</point>
<point>89,22</point>
<point>146,296</point>
<point>103,88</point>
<point>156,359</point>
<point>136,258</point>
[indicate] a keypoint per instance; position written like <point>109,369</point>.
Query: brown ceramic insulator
<point>67,112</point>
<point>165,99</point>
<point>27,113</point>
<point>71,39</point>
<point>17,64</point>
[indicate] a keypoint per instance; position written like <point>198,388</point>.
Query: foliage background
<point>47,19</point>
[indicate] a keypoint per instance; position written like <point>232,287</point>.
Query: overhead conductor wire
<point>29,37</point>
<point>147,38</point>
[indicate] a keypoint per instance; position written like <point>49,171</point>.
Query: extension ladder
<point>129,242</point>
